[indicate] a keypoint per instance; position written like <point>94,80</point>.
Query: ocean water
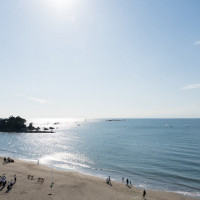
<point>158,154</point>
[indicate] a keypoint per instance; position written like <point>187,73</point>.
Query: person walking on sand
<point>15,178</point>
<point>144,194</point>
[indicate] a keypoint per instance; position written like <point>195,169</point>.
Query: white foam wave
<point>190,194</point>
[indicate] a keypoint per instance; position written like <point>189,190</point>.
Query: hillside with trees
<point>18,124</point>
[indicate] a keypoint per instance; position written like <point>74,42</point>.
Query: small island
<point>115,120</point>
<point>18,125</point>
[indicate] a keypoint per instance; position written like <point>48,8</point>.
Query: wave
<point>177,177</point>
<point>7,150</point>
<point>11,151</point>
<point>189,194</point>
<point>16,152</point>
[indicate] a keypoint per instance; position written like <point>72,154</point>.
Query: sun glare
<point>60,2</point>
<point>61,5</point>
<point>62,9</point>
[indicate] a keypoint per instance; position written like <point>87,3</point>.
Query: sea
<point>157,154</point>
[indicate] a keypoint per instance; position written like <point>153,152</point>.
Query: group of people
<point>128,183</point>
<point>7,160</point>
<point>108,181</point>
<point>3,182</point>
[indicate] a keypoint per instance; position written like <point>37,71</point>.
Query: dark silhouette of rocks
<point>18,124</point>
<point>13,124</point>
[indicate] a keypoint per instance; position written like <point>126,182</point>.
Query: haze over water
<point>160,154</point>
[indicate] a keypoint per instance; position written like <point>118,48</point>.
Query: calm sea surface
<point>159,154</point>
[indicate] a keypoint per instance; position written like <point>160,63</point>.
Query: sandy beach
<point>68,185</point>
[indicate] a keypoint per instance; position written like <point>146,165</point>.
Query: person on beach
<point>127,181</point>
<point>10,184</point>
<point>144,194</point>
<point>15,178</point>
<point>130,184</point>
<point>122,179</point>
<point>38,162</point>
<point>51,184</point>
<point>4,180</point>
<point>109,180</point>
<point>8,187</point>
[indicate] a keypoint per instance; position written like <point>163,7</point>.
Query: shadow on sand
<point>2,187</point>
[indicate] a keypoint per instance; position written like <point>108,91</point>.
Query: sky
<point>100,58</point>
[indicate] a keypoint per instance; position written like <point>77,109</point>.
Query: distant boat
<point>187,125</point>
<point>166,125</point>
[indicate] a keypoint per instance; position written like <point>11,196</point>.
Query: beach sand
<point>68,185</point>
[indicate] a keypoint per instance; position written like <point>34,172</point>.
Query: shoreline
<point>70,184</point>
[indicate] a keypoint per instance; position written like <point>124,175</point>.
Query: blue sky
<point>103,58</point>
